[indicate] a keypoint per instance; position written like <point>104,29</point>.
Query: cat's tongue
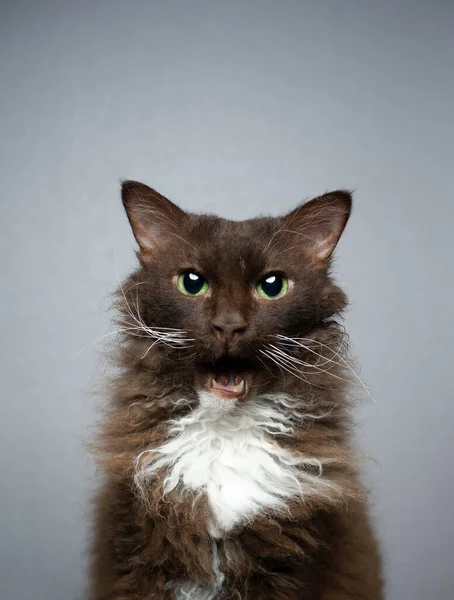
<point>228,385</point>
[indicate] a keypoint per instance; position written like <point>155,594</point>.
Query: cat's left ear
<point>320,223</point>
<point>153,218</point>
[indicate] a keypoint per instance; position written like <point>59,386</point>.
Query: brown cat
<point>225,449</point>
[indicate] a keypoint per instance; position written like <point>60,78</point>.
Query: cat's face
<point>222,294</point>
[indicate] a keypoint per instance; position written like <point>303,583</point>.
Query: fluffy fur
<point>231,458</point>
<point>191,590</point>
<point>210,498</point>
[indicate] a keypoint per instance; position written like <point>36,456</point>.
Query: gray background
<point>233,107</point>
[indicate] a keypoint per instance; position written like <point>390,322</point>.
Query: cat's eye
<point>192,284</point>
<point>272,286</point>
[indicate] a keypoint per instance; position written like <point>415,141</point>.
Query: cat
<point>228,468</point>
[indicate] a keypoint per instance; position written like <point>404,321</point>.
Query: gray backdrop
<point>239,108</point>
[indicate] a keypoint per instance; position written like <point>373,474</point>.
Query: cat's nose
<point>228,330</point>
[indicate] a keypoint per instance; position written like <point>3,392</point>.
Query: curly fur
<point>203,498</point>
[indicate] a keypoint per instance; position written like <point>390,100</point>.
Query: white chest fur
<point>227,452</point>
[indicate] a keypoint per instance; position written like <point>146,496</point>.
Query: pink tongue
<point>227,382</point>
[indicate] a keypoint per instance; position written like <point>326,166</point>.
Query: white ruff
<point>225,450</point>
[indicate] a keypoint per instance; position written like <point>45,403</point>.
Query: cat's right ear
<point>153,217</point>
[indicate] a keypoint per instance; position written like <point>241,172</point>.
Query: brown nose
<point>228,329</point>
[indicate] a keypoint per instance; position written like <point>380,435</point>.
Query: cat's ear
<point>320,222</point>
<point>153,217</point>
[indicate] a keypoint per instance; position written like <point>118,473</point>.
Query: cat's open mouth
<point>228,377</point>
<point>228,385</point>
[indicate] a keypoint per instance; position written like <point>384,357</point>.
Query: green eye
<point>272,286</point>
<point>192,284</point>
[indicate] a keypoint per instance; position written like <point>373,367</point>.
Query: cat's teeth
<point>240,386</point>
<point>237,388</point>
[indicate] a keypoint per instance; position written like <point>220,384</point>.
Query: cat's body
<point>228,467</point>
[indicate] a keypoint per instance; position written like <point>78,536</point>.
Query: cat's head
<point>229,300</point>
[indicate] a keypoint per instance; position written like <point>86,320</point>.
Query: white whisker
<point>295,360</point>
<point>344,363</point>
<point>291,360</point>
<point>101,337</point>
<point>168,336</point>
<point>282,365</point>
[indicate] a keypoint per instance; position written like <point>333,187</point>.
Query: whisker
<point>295,341</point>
<point>101,337</point>
<point>320,357</point>
<point>169,336</point>
<point>149,348</point>
<point>275,362</point>
<point>295,370</point>
<point>295,360</point>
<point>345,363</point>
<point>282,365</point>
